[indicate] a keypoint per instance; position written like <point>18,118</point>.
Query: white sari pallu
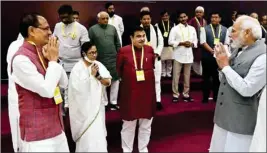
<point>87,113</point>
<point>258,143</point>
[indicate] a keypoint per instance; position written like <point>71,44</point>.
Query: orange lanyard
<point>40,58</point>
<point>134,58</point>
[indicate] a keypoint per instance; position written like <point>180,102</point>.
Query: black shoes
<point>112,107</point>
<point>175,99</point>
<point>159,106</point>
<point>188,99</point>
<point>185,99</point>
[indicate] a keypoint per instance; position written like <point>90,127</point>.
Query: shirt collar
<point>180,24</point>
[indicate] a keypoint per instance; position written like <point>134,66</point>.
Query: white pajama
<point>225,141</point>
<point>128,133</point>
<point>166,67</point>
<point>114,89</point>
<point>56,144</point>
<point>157,73</point>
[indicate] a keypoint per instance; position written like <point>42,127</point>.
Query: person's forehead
<point>93,48</point>
<point>199,11</point>
<point>42,21</point>
<point>103,15</point>
<point>111,7</point>
<point>146,16</point>
<point>182,15</point>
<point>215,15</point>
<point>236,26</point>
<point>136,33</point>
<point>165,14</point>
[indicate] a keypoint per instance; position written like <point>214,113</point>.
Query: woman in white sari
<point>86,110</point>
<point>258,143</point>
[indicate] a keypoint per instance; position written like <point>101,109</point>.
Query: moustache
<point>142,41</point>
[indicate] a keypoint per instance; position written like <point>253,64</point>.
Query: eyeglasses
<point>92,53</point>
<point>45,29</point>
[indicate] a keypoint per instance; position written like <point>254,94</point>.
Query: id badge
<point>57,96</point>
<point>165,34</point>
<point>202,29</point>
<point>140,76</point>
<point>216,41</point>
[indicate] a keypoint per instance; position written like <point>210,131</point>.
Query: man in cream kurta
<point>183,38</point>
<point>71,36</point>
<point>155,40</point>
<point>87,111</point>
<point>13,110</point>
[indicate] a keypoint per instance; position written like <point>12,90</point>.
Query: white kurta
<point>13,110</point>
<point>71,37</point>
<point>181,33</point>
<point>258,143</point>
<point>116,21</point>
<point>157,47</point>
<point>86,108</point>
<point>26,75</point>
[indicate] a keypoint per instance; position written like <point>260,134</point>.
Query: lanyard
<point>183,33</point>
<point>73,35</point>
<point>167,27</point>
<point>213,31</point>
<point>134,58</point>
<point>198,22</point>
<point>40,58</point>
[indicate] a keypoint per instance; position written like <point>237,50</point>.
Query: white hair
<point>100,13</point>
<point>247,22</point>
<point>200,8</point>
<point>145,9</point>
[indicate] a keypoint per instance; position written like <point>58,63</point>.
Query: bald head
<point>254,15</point>
<point>103,18</point>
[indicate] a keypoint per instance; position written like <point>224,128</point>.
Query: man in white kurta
<point>86,109</point>
<point>13,111</point>
<point>71,36</point>
<point>115,20</point>
<point>258,143</point>
<point>155,40</point>
<point>183,38</point>
<point>33,84</point>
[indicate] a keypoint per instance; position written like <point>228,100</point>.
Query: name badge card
<point>216,41</point>
<point>57,96</point>
<point>140,76</point>
<point>165,34</point>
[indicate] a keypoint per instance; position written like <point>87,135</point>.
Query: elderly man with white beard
<point>243,76</point>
